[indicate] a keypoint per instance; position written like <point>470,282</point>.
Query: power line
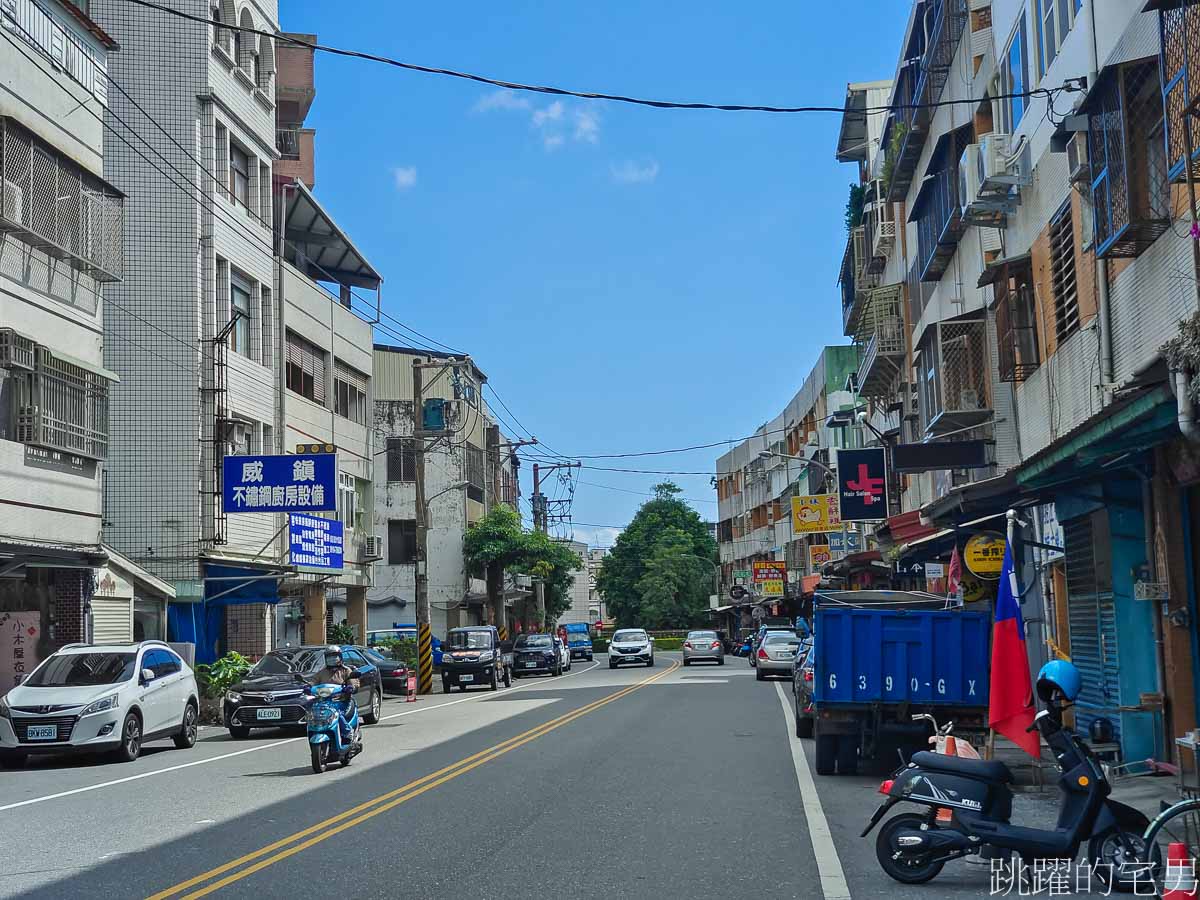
<point>610,487</point>
<point>584,95</point>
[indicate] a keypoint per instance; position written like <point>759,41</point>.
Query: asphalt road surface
<point>656,782</point>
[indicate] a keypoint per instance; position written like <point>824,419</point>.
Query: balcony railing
<point>287,142</point>
<point>848,282</point>
<point>33,24</point>
<point>63,406</point>
<point>880,224</point>
<point>881,339</point>
<point>953,371</point>
<point>48,201</point>
<point>937,211</point>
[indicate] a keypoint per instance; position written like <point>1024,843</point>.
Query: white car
<point>564,655</point>
<point>100,697</point>
<point>630,645</point>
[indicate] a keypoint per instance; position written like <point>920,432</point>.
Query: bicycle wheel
<point>1178,824</point>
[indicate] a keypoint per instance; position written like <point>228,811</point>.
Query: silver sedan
<point>776,653</point>
<point>703,645</point>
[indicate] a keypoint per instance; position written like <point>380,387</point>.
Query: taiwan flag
<point>1010,706</point>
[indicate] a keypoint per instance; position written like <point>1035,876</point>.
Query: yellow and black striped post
<point>503,633</point>
<point>425,658</point>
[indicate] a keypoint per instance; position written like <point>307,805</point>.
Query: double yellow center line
<point>244,866</point>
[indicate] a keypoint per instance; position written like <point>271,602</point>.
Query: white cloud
<point>502,99</point>
<point>587,126</point>
<point>596,536</point>
<point>629,172</point>
<point>405,176</point>
<point>551,113</point>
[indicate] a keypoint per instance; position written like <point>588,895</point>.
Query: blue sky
<point>629,279</point>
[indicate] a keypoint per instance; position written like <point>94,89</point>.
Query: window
<point>347,500</point>
<point>1054,21</point>
<point>349,392</point>
<point>264,194</point>
<point>401,459</point>
<point>222,154</point>
<point>402,541</point>
<point>239,175</point>
<point>62,406</point>
<point>239,301</point>
<point>1016,328</point>
<point>475,482</point>
<point>1014,68</point>
<point>305,368</point>
<point>1062,274</point>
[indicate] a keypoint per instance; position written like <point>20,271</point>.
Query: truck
<point>876,659</point>
<point>579,640</point>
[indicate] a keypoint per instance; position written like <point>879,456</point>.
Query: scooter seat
<point>957,765</point>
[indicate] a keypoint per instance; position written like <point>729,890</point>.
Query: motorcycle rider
<point>337,672</point>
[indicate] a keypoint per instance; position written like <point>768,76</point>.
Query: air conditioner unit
<point>237,434</point>
<point>1077,158</point>
<point>373,547</point>
<point>14,202</point>
<point>969,180</point>
<point>16,350</point>
<point>994,151</point>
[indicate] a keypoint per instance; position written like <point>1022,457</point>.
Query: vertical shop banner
<point>19,633</point>
<point>770,577</point>
<point>935,578</point>
<point>862,484</point>
<point>815,513</point>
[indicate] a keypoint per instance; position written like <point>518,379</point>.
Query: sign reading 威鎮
<point>814,513</point>
<point>281,483</point>
<point>316,543</point>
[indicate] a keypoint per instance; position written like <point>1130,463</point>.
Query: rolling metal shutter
<point>112,620</point>
<point>1092,619</point>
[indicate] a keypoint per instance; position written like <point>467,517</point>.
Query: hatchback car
<point>272,693</point>
<point>100,697</point>
<point>704,645</point>
<point>802,688</point>
<point>536,654</point>
<point>630,645</point>
<point>776,653</point>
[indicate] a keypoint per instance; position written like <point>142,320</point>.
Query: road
<point>641,782</point>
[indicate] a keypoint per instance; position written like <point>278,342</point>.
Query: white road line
<point>212,759</point>
<point>829,865</point>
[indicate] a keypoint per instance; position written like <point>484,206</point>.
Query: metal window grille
<point>64,407</point>
<point>305,368</point>
<point>287,142</point>
<point>953,368</point>
<point>474,460</point>
<point>1062,274</point>
<point>1179,31</point>
<point>401,459</point>
<point>51,203</point>
<point>1016,327</point>
<point>268,327</point>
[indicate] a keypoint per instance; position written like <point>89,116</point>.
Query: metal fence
<point>63,406</point>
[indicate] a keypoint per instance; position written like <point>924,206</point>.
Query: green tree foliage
<point>552,562</point>
<point>854,207</point>
<point>657,574</point>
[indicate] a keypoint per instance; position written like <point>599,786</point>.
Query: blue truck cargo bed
<point>895,656</point>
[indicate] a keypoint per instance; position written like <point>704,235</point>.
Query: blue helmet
<point>1059,676</point>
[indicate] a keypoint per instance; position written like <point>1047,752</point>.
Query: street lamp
<point>768,454</point>
<point>454,487</point>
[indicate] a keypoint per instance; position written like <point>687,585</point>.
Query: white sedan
<point>564,654</point>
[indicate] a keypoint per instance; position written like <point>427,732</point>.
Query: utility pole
<point>541,521</point>
<point>421,567</point>
<point>497,461</point>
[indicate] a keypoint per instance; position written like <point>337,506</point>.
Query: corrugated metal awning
<point>317,245</point>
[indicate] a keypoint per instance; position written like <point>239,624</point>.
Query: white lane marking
<point>212,759</point>
<point>829,865</point>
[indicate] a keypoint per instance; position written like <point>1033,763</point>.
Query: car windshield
<point>469,640</point>
<point>629,636</point>
<point>272,664</point>
<point>534,640</point>
<point>83,669</point>
<point>782,639</point>
<point>304,662</point>
<point>702,636</point>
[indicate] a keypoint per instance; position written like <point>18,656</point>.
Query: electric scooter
<point>913,847</point>
<point>324,727</point>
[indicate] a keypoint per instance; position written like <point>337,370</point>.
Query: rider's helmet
<point>333,656</point>
<point>1058,680</point>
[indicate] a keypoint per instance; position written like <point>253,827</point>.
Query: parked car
<point>579,640</point>
<point>535,654</point>
<point>100,698</point>
<point>393,673</point>
<point>703,645</point>
<point>630,645</point>
<point>776,653</point>
<point>757,638</point>
<point>802,689</point>
<point>564,654</point>
<point>474,655</point>
<point>272,693</point>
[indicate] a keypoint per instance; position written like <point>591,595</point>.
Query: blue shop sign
<point>283,483</point>
<point>315,543</point>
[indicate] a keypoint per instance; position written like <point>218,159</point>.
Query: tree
<point>553,562</point>
<point>658,572</point>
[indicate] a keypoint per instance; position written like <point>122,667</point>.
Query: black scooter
<point>913,847</point>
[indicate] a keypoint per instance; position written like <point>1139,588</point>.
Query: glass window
<point>470,640</point>
<point>533,641</point>
<point>347,500</point>
<point>148,620</point>
<point>239,300</point>
<point>1054,21</point>
<point>350,392</point>
<point>305,368</point>
<point>239,172</point>
<point>629,636</point>
<point>402,541</point>
<point>401,459</point>
<point>82,670</point>
<point>272,664</point>
<point>1013,78</point>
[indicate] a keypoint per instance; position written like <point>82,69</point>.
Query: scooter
<point>913,847</point>
<point>324,731</point>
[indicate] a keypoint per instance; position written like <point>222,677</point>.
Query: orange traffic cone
<point>951,746</point>
<point>1179,880</point>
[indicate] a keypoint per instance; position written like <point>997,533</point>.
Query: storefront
<point>128,604</point>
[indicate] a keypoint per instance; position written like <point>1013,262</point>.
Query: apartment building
<point>468,467</point>
<point>580,591</point>
<point>1021,260</point>
<point>595,559</point>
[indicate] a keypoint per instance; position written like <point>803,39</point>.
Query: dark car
<point>393,673</point>
<point>474,655</point>
<point>535,654</point>
<point>272,693</point>
<point>802,688</point>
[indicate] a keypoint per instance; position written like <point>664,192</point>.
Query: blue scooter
<point>332,702</point>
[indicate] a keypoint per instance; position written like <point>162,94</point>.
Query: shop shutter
<point>112,620</point>
<point>1092,619</point>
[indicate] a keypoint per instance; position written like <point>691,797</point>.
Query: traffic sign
<point>737,592</point>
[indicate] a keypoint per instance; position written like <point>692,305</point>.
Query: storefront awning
<point>232,585</point>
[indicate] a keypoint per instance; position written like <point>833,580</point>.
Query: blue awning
<point>230,585</point>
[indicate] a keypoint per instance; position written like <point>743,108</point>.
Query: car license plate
<point>270,713</point>
<point>465,678</point>
<point>531,665</point>
<point>42,732</point>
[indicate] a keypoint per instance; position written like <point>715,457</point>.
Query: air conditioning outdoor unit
<point>969,176</point>
<point>994,151</point>
<point>14,202</point>
<point>373,547</point>
<point>1077,158</point>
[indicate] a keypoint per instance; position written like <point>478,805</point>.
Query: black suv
<point>534,654</point>
<point>474,655</point>
<point>272,693</point>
